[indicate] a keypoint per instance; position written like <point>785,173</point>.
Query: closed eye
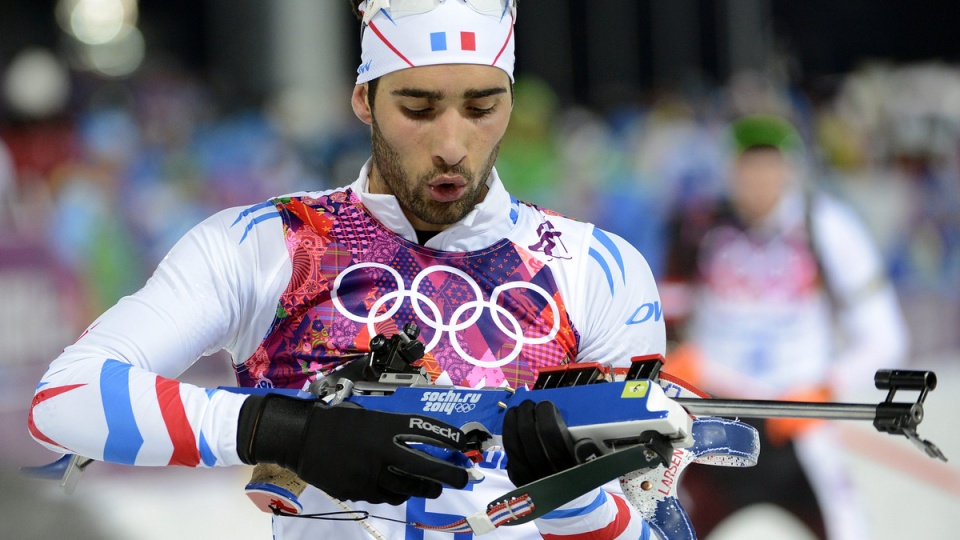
<point>480,112</point>
<point>418,113</point>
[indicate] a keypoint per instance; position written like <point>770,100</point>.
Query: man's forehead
<point>447,79</point>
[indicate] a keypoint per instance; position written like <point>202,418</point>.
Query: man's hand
<point>538,443</point>
<point>349,452</point>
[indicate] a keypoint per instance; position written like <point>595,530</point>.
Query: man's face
<point>436,131</point>
<point>760,179</point>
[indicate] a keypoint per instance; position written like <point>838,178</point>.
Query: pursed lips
<point>447,188</point>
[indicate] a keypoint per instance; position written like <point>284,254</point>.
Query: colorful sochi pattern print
<point>486,317</point>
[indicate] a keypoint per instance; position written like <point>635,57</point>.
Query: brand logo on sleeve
<point>649,311</point>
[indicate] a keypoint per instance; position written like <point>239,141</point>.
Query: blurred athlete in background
<point>777,292</point>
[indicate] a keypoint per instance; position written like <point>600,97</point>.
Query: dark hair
<point>372,91</point>
<point>371,85</point>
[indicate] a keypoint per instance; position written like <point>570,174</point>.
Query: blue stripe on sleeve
<point>582,511</point>
<point>206,454</point>
<point>253,208</point>
<point>603,264</point>
<point>607,242</point>
<point>255,221</point>
<point>123,435</point>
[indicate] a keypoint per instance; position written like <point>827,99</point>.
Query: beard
<point>414,194</point>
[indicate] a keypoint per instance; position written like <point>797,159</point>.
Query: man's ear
<point>360,100</point>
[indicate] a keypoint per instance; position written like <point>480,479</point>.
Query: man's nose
<point>452,138</point>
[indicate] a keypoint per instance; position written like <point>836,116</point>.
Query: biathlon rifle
<point>632,422</point>
<point>622,423</point>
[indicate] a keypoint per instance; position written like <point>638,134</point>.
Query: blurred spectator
<point>529,150</point>
<point>87,228</point>
<point>7,186</point>
<point>777,292</point>
<point>893,141</point>
<point>673,161</point>
<point>35,317</point>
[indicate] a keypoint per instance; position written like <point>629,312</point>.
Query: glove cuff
<point>270,429</point>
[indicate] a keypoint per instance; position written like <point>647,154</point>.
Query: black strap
<point>552,492</point>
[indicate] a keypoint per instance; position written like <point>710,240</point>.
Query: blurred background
<point>125,122</point>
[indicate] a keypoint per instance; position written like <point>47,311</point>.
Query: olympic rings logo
<point>454,325</point>
<point>464,407</point>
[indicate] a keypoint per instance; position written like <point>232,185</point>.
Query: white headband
<point>445,32</point>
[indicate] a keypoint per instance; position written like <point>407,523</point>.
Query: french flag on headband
<point>438,41</point>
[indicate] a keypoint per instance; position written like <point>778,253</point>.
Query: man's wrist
<point>270,429</point>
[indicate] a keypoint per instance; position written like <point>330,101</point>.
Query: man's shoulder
<point>240,222</point>
<point>541,220</point>
<point>316,198</point>
<point>560,233</point>
<point>540,214</point>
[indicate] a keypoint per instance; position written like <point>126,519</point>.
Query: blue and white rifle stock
<point>630,425</point>
<point>633,424</point>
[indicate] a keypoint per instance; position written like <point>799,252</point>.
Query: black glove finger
<point>555,437</point>
<point>526,459</point>
<point>517,468</point>
<point>399,483</point>
<point>374,497</point>
<point>414,463</point>
<point>347,491</point>
<point>534,453</point>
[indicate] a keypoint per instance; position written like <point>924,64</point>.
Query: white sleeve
<point>111,396</point>
<point>622,315</point>
<point>602,514</point>
<point>873,331</point>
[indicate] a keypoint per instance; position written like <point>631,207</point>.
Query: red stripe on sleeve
<point>185,451</point>
<point>42,396</point>
<point>613,529</point>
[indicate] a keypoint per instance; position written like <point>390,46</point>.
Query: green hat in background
<point>767,131</point>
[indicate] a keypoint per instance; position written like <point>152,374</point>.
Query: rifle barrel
<point>746,408</point>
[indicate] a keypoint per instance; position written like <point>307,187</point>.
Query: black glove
<point>538,443</point>
<point>351,453</point>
